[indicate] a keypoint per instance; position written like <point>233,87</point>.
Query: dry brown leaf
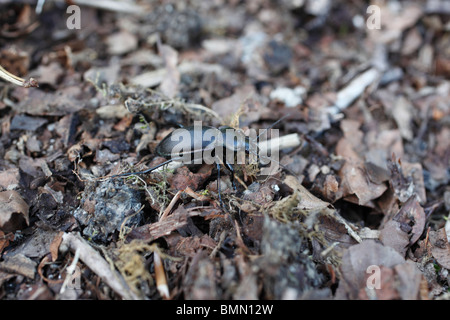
<point>50,74</point>
<point>190,246</point>
<point>354,181</point>
<point>385,142</point>
<point>226,108</point>
<point>356,261</point>
<point>152,231</point>
<point>353,136</point>
<point>24,122</point>
<point>387,289</point>
<point>411,213</point>
<point>410,278</point>
<point>185,178</point>
<point>54,245</point>
<point>334,231</point>
<point>443,66</point>
<point>13,211</point>
<point>393,236</point>
<point>64,101</point>
<point>399,282</point>
<point>330,187</point>
<point>4,240</point>
<point>9,179</point>
<point>353,174</point>
<point>412,42</point>
<point>124,123</point>
<point>375,173</point>
<point>307,200</point>
<point>19,264</point>
<point>415,171</point>
<point>394,22</point>
<point>402,114</point>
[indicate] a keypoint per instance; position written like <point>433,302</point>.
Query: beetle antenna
<point>145,171</point>
<point>272,125</point>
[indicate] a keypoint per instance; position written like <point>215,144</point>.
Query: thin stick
<point>284,142</point>
<point>160,275</point>
<point>272,125</point>
<point>350,231</point>
<point>94,261</point>
<point>171,205</point>
<point>7,76</point>
<point>70,270</point>
<point>126,174</point>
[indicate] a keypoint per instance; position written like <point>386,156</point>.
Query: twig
<point>160,275</point>
<point>350,231</point>
<point>117,6</point>
<point>7,76</point>
<point>353,90</point>
<point>219,244</point>
<point>98,265</point>
<point>200,107</point>
<point>167,102</point>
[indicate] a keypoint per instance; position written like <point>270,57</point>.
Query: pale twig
<point>94,261</point>
<point>70,271</point>
<point>353,90</point>
<point>116,6</point>
<point>171,205</point>
<point>7,76</point>
<point>160,275</point>
<point>284,142</point>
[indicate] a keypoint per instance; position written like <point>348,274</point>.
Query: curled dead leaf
<point>13,211</point>
<point>411,213</point>
<point>440,247</point>
<point>307,200</point>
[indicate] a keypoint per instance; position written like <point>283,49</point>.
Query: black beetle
<point>204,144</point>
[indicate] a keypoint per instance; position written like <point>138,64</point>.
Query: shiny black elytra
<point>208,142</point>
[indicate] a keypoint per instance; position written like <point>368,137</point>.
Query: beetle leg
<point>218,185</point>
<point>232,175</point>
